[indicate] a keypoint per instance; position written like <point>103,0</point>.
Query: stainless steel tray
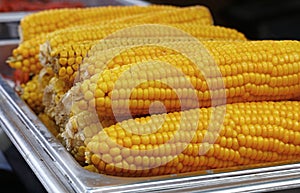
<point>59,172</point>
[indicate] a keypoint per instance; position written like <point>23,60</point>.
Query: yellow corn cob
<point>67,65</point>
<point>183,15</point>
<point>251,133</point>
<point>38,23</point>
<point>25,57</point>
<point>27,52</point>
<point>32,91</point>
<point>59,86</point>
<point>70,53</point>
<point>249,71</point>
<point>92,32</point>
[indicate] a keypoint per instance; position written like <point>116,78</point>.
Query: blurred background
<point>257,19</point>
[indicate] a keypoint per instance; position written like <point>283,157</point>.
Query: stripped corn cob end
<point>32,91</point>
<point>52,95</point>
<point>49,123</point>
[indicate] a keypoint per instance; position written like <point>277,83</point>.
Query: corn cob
<point>58,87</point>
<point>74,52</point>
<point>251,133</point>
<point>66,75</point>
<point>93,33</point>
<point>25,56</point>
<point>249,71</point>
<point>191,14</point>
<point>32,91</point>
<point>71,55</point>
<point>29,50</point>
<point>39,23</point>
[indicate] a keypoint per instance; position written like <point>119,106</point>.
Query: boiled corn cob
<point>179,142</point>
<point>248,71</point>
<point>92,32</point>
<point>39,23</point>
<point>183,15</point>
<point>70,55</point>
<point>29,50</point>
<point>58,87</point>
<point>25,56</point>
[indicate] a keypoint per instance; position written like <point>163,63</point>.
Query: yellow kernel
<point>241,140</point>
<point>127,142</point>
<point>136,140</point>
<point>88,95</point>
<point>103,148</point>
<point>145,139</point>
<point>71,61</point>
<point>63,61</point>
<point>125,152</point>
<point>243,151</point>
<point>99,93</point>
<point>71,53</point>
<point>78,60</point>
<point>18,65</point>
<point>114,151</point>
<point>159,138</point>
<point>26,62</point>
<point>69,70</point>
<point>248,141</point>
<point>107,158</point>
<point>223,141</point>
<point>95,159</point>
<point>25,53</point>
<point>64,54</point>
<point>103,87</point>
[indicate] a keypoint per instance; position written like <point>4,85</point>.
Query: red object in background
<point>20,77</point>
<point>35,5</point>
